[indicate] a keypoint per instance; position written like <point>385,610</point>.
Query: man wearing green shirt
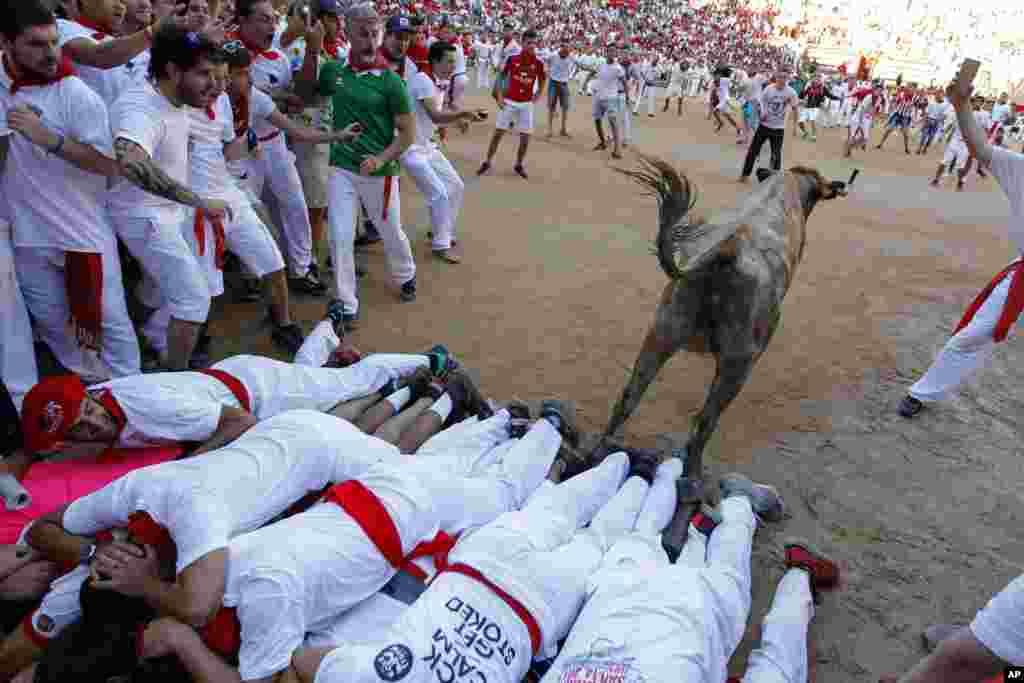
<point>367,92</point>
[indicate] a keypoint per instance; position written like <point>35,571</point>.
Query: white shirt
<point>1000,113</point>
<point>1008,168</point>
<point>421,88</point>
<point>269,75</point>
<point>723,89</point>
<point>208,167</point>
<point>144,116</point>
<point>561,69</point>
<point>608,82</point>
<point>757,84</point>
<point>483,52</point>
<point>984,121</point>
<point>108,83</point>
<point>676,76</point>
<point>206,500</point>
<point>938,111</point>
<point>502,53</point>
<point>53,203</point>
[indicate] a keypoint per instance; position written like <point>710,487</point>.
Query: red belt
<point>218,236</point>
<point>270,137</point>
<point>524,614</point>
<point>1014,301</point>
<point>233,384</point>
<point>222,634</point>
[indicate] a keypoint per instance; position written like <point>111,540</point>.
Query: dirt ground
<point>559,284</point>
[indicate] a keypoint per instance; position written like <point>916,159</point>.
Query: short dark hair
<point>529,35</point>
<point>236,55</point>
<point>243,8</point>
<point>182,48</point>
<point>21,15</point>
<point>438,50</point>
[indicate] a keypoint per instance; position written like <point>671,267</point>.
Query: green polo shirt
<point>371,99</point>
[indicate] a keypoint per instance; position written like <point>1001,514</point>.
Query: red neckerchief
<point>100,33</point>
<point>107,400</point>
<point>331,48</point>
<point>210,113</point>
<point>379,62</point>
<point>64,70</point>
<point>270,54</point>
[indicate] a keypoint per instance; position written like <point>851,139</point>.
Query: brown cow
<point>728,278</point>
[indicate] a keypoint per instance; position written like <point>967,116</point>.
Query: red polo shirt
<point>523,71</point>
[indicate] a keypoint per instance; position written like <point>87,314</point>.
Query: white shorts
<point>808,114</point>
<point>674,90</point>
<point>862,124</point>
<point>1000,624</point>
<point>607,107</point>
<point>515,116</point>
<point>245,236</point>
<point>956,153</point>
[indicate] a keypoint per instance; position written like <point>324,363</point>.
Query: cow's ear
<point>764,174</point>
<point>836,188</point>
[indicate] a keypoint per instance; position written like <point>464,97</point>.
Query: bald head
<point>361,12</point>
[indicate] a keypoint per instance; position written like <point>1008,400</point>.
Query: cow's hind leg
<point>731,374</point>
<point>651,359</point>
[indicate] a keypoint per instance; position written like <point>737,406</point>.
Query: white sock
<point>399,398</point>
<point>442,407</point>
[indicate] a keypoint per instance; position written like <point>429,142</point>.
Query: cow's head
<point>813,186</point>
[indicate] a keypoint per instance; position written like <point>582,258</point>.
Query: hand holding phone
<point>965,78</point>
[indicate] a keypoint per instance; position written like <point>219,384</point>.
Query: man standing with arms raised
<point>367,92</point>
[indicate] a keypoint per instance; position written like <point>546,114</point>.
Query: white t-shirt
<point>608,82</point>
<point>938,111</point>
<point>261,106</point>
<point>458,629</point>
<point>773,106</point>
<point>269,75</point>
<point>144,116</point>
<point>207,500</point>
<point>421,87</point>
<point>503,52</point>
<point>757,84</point>
<point>1008,168</point>
<point>984,121</point>
<point>676,76</point>
<point>207,165</point>
<point>53,203</point>
<point>723,88</point>
<point>108,83</point>
<point>1000,113</point>
<point>561,69</point>
<point>483,52</point>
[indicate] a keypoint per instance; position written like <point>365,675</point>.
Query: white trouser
<point>647,93</point>
<point>318,345</point>
<point>442,187</point>
<point>42,278</point>
<point>536,554</point>
<point>17,355</point>
<point>483,75</point>
<point>468,446</point>
<point>998,625</point>
<point>245,236</point>
<point>275,387</point>
<point>157,243</point>
<point>276,169</point>
<point>965,351</point>
<point>782,656</point>
<point>627,121</point>
<point>345,190</point>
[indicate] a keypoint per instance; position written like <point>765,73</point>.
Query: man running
<point>609,89</point>
<point>934,121</point>
<point>521,84</point>
<point>776,100</point>
<point>864,104</point>
<point>901,117</point>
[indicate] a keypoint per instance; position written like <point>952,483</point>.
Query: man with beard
<point>272,73</point>
<point>150,124</point>
<point>367,92</point>
<point>54,179</point>
<point>521,84</point>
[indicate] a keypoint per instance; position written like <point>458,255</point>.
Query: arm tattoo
<point>140,170</point>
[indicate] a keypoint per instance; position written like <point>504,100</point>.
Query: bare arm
<point>442,118</point>
<point>141,171</point>
<point>406,125</point>
<point>27,123</point>
<point>232,424</point>
<point>305,663</point>
<point>974,136</point>
<point>237,149</point>
<point>47,535</point>
<point>960,659</point>
<point>108,54</point>
<point>171,637</point>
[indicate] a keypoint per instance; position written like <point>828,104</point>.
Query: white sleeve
<point>227,115</point>
<point>421,87</point>
<point>72,30</point>
<point>1008,168</point>
<point>96,512</point>
<point>199,526</point>
<point>137,121</point>
<point>87,117</point>
<point>261,106</point>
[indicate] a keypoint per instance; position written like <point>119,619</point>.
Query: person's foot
<point>959,186</point>
<point>370,235</point>
<point>550,134</point>
<point>447,255</point>
<point>252,290</point>
<point>519,418</point>
<point>982,173</point>
<point>314,270</point>
<point>651,115</point>
<point>336,314</point>
<point>518,168</point>
<point>419,383</point>
<point>910,407</point>
<point>308,284</point>
<point>936,633</point>
<point>934,182</point>
<point>765,500</point>
<point>743,179</point>
<point>466,398</point>
<point>824,573</point>
<point>601,146</point>
<point>288,337</point>
<point>643,463</point>
<point>878,147</point>
<point>484,168</point>
<point>442,361</point>
<point>408,292</point>
<point>565,134</point>
<point>616,155</point>
<point>563,416</point>
<point>343,356</point>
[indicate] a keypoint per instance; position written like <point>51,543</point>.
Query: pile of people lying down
<point>382,521</point>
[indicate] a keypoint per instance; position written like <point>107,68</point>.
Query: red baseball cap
<point>50,409</point>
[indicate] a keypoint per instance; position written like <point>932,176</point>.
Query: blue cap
<point>399,24</point>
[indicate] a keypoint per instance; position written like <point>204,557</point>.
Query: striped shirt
<point>903,104</point>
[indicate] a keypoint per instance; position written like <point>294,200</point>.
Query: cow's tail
<point>676,196</point>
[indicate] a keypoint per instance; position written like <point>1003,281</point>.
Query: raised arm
<point>119,51</point>
<point>974,136</point>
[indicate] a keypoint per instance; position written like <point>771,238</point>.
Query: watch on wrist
<point>86,554</point>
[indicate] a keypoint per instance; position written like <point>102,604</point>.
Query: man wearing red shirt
<point>522,84</point>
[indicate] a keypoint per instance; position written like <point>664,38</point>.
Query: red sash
<point>437,549</point>
<point>515,605</point>
<point>1014,301</point>
<point>83,282</point>
<point>233,384</point>
<point>363,506</point>
<point>218,236</point>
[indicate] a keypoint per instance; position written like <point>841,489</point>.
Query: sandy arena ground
<point>559,284</point>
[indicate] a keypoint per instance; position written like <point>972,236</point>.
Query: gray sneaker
<point>764,499</point>
<point>935,634</point>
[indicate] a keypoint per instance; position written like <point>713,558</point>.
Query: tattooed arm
<point>142,171</point>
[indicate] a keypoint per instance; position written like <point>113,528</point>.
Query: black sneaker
<point>370,236</point>
<point>518,168</point>
<point>408,292</point>
<point>288,337</point>
<point>643,463</point>
<point>565,414</point>
<point>308,284</point>
<point>336,314</point>
<point>519,419</point>
<point>910,407</point>
<point>484,168</point>
<point>442,361</point>
<point>252,290</point>
<point>314,270</point>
